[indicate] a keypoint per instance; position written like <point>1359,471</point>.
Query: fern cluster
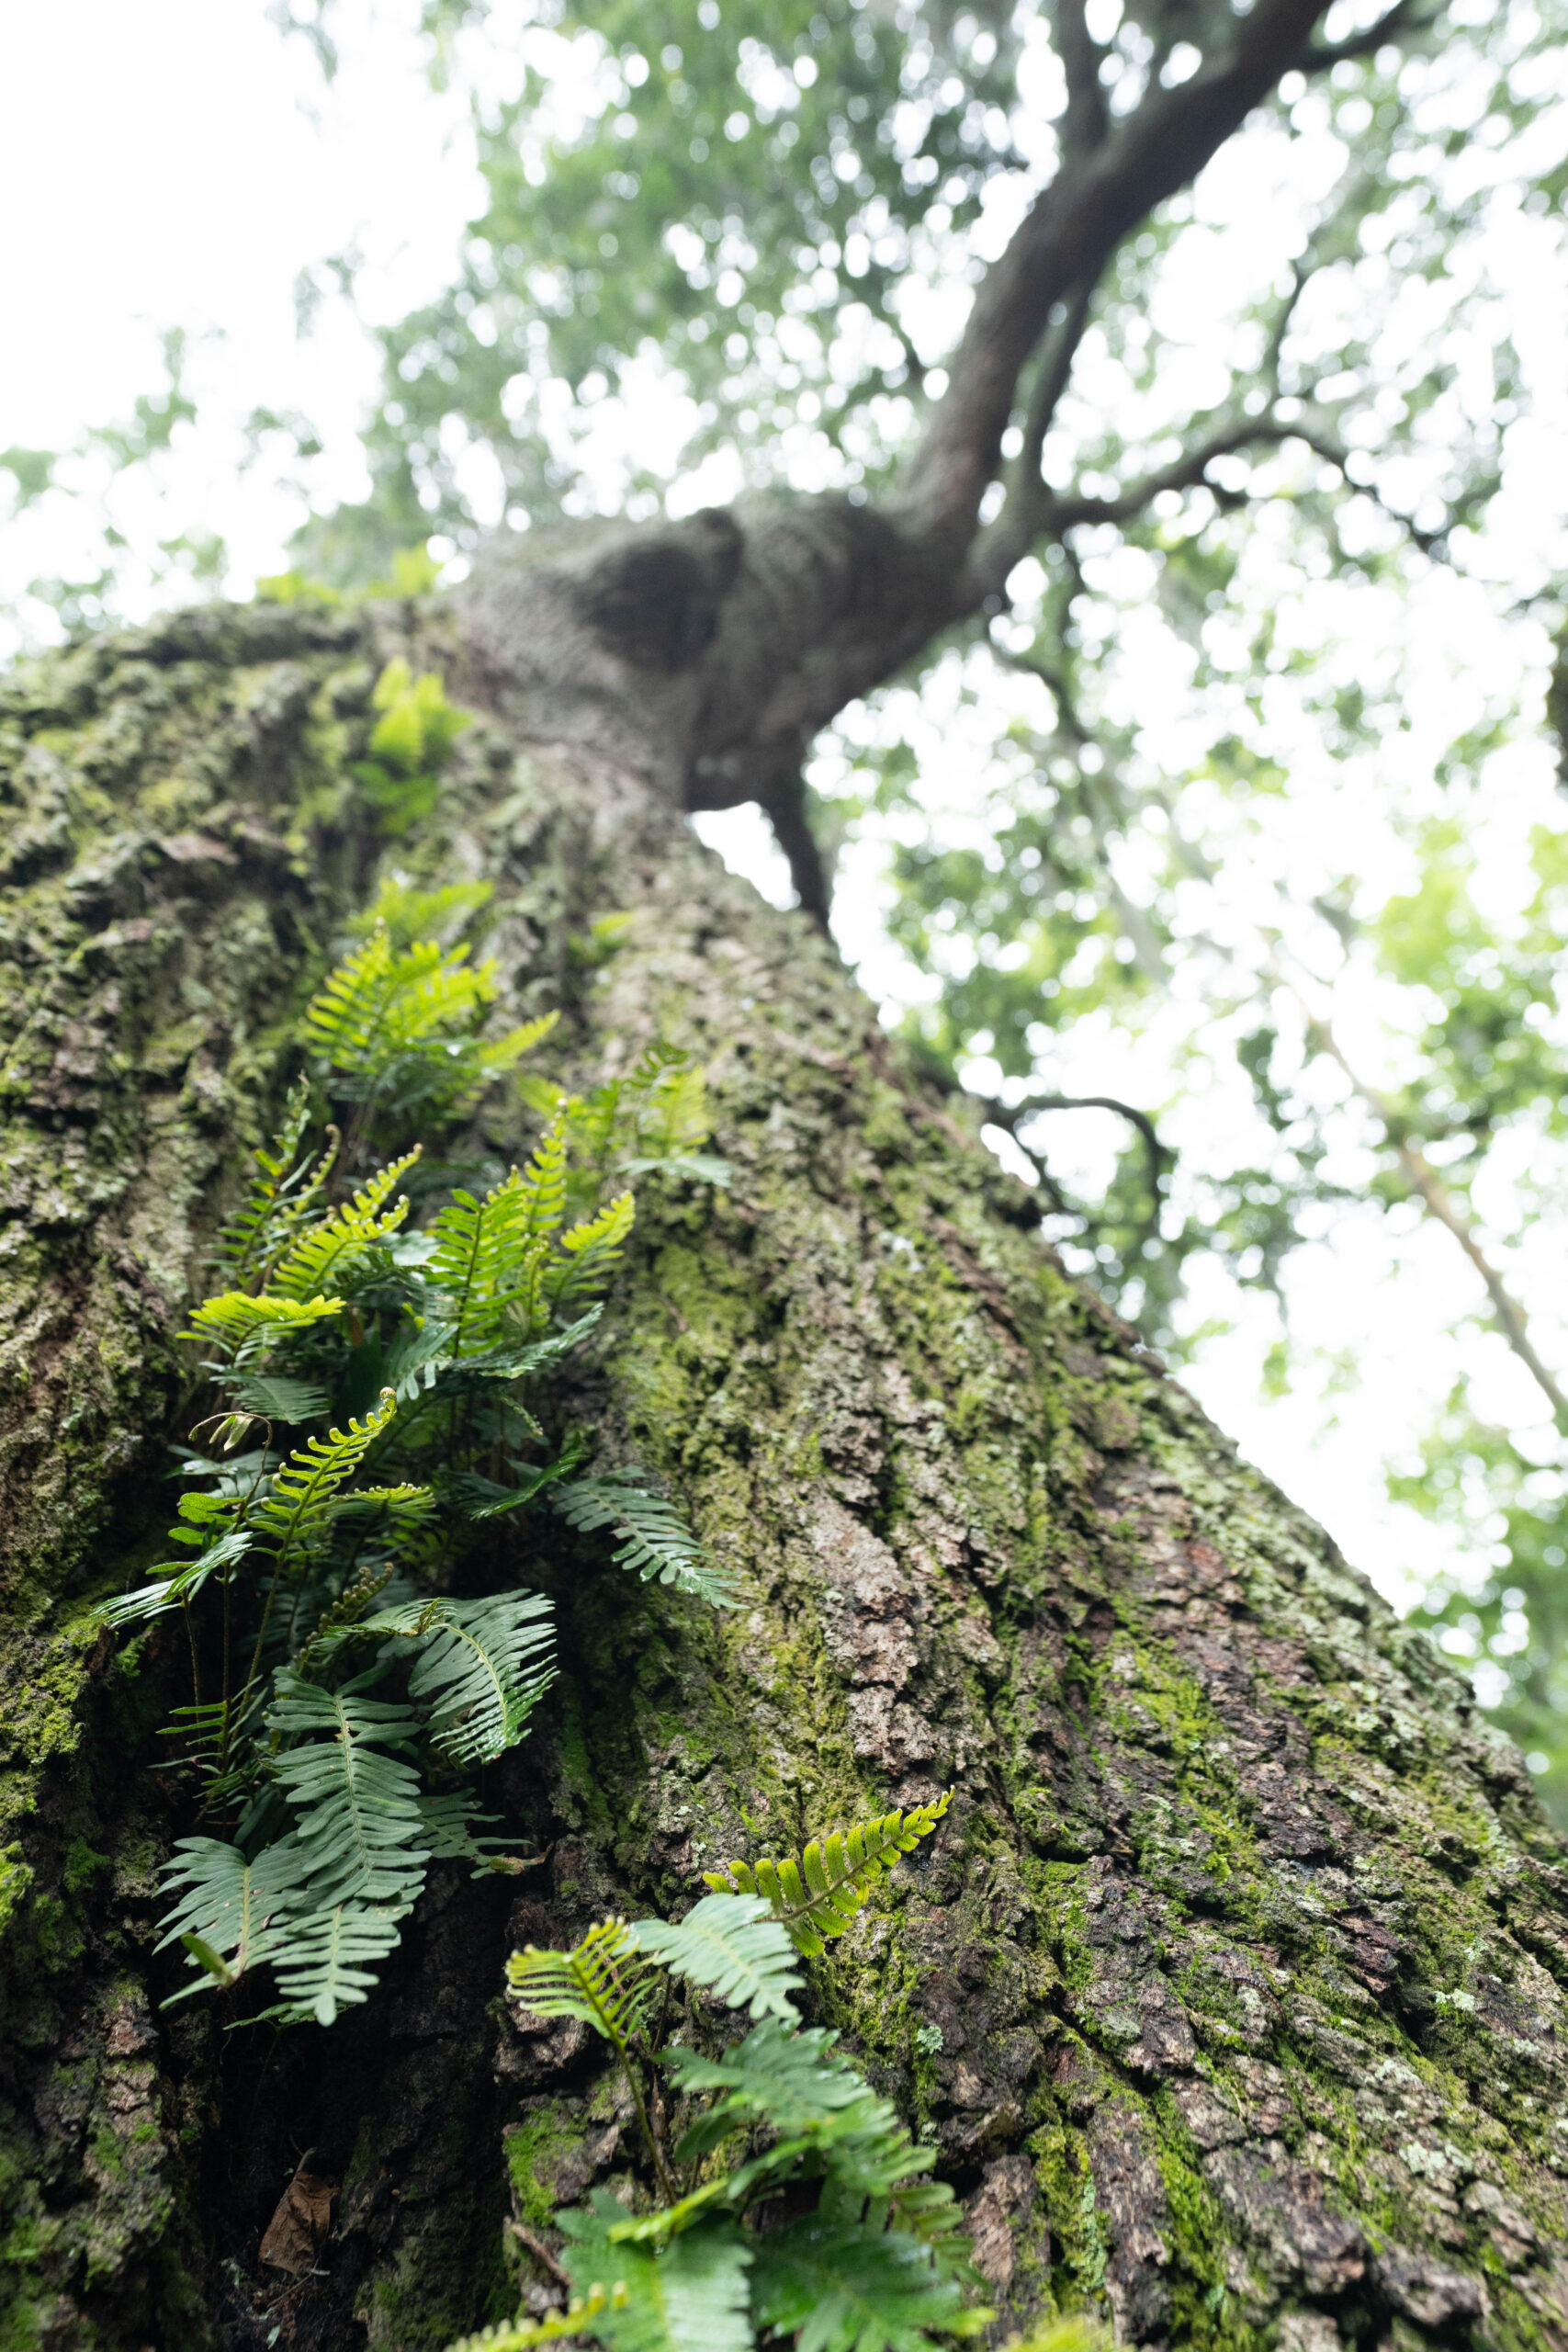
<point>359,1647</point>
<point>863,2252</point>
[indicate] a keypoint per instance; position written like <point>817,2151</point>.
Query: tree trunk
<point>1230,1988</point>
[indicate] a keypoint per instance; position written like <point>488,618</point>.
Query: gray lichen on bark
<point>1231,1990</point>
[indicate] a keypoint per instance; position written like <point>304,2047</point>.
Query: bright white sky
<point>179,164</point>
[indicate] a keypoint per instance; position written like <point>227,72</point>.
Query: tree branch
<point>1318,57</point>
<point>1065,240</point>
<point>1440,1203</point>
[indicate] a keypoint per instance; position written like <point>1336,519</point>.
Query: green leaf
<point>522,2334</point>
<point>689,2297</point>
<point>733,1948</point>
<point>471,1666</point>
<point>357,1801</point>
<point>328,1960</point>
<point>297,1515</point>
<point>851,2288</point>
<point>816,1893</point>
<point>224,1906</point>
<point>343,1248</point>
<point>235,1321</point>
<point>654,1539</point>
<point>601,1981</point>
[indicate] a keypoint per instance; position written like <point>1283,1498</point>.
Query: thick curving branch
<point>1065,239</point>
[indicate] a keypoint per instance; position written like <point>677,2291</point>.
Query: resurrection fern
<point>522,2334</point>
<point>816,1894</point>
<point>359,1642</point>
<point>653,1538</point>
<point>860,2249</point>
<point>730,1948</point>
<point>304,1497</point>
<point>401,1025</point>
<point>472,1670</point>
<point>342,1249</point>
<point>602,1982</point>
<point>288,1179</point>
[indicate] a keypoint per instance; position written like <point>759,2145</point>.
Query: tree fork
<point>1231,1988</point>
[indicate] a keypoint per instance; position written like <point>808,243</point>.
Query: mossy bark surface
<point>1231,1989</point>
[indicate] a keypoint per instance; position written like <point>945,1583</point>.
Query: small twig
<point>1435,1196</point>
<point>541,2254</point>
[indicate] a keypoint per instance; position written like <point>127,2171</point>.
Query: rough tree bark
<point>1231,1990</point>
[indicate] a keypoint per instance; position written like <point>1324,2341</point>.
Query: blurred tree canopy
<point>1189,810</point>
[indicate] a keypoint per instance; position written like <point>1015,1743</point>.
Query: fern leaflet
<point>733,1948</point>
<point>689,2297</point>
<point>654,1539</point>
<point>816,1894</point>
<point>601,1981</point>
<point>471,1667</point>
<point>327,1961</point>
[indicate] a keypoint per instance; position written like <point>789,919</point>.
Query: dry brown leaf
<point>298,2230</point>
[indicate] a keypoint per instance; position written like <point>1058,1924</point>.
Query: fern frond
<point>276,1398</point>
<point>477,1265</point>
<point>603,1981</point>
<point>654,1539</point>
<point>298,1513</point>
<point>225,1902</point>
<point>732,1948</point>
<point>280,1194</point>
<point>816,1894</point>
<point>326,1961</point>
<point>689,2297</point>
<point>793,2078</point>
<point>471,1668</point>
<point>235,1321</point>
<point>335,1253</point>
<point>851,2288</point>
<point>522,2334</point>
<point>357,1801</point>
<point>592,1250</point>
<point>179,1581</point>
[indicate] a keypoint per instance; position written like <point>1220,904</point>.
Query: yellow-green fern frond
<point>235,1321</point>
<point>338,1248</point>
<point>604,1981</point>
<point>522,2334</point>
<point>299,1512</point>
<point>816,1894</point>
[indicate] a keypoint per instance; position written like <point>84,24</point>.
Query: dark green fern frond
<point>816,1894</point>
<point>225,1902</point>
<point>327,1960</point>
<point>480,1670</point>
<point>356,1797</point>
<point>603,1981</point>
<point>689,2296</point>
<point>846,2286</point>
<point>654,1539</point>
